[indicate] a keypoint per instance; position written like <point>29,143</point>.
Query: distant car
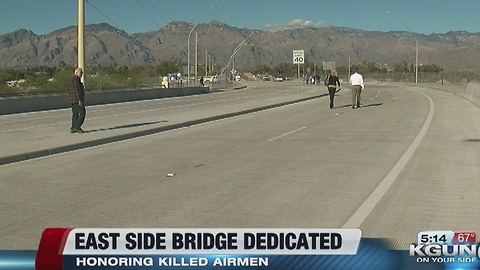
<point>266,78</point>
<point>278,79</point>
<point>207,79</point>
<point>210,79</point>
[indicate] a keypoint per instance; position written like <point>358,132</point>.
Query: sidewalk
<point>33,135</point>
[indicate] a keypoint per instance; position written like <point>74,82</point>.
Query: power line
<point>166,12</point>
<point>157,12</point>
<point>148,14</point>
<point>105,16</point>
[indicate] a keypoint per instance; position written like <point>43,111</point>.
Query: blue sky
<point>140,16</point>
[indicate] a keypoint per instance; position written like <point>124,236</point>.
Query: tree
<point>262,69</point>
<point>61,80</point>
<point>5,77</point>
<point>285,70</point>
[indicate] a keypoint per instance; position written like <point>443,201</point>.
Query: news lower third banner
<point>214,248</point>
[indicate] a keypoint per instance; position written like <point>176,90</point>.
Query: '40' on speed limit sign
<point>298,57</point>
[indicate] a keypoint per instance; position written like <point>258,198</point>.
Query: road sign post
<point>298,58</point>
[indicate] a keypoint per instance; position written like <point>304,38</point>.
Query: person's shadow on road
<point>126,126</point>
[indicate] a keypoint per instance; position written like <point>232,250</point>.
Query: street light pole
<point>416,44</point>
<point>188,55</point>
<point>188,43</point>
<point>81,37</point>
<point>416,61</point>
<point>235,52</point>
<point>232,58</point>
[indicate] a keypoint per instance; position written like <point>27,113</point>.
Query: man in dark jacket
<point>76,97</point>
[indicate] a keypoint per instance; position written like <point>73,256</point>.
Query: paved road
<point>30,135</point>
<point>407,161</point>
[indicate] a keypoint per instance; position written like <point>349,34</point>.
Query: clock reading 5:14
<point>435,237</point>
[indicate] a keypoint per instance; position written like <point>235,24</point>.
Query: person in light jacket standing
<point>76,98</point>
<point>356,80</point>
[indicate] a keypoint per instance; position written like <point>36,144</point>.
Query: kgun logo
<point>446,253</point>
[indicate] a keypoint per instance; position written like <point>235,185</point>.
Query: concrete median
<point>473,93</point>
<point>52,102</point>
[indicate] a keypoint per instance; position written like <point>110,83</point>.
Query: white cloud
<point>295,24</point>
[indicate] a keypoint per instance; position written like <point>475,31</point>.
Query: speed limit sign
<point>298,57</point>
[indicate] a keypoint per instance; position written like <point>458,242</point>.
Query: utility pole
<point>416,44</point>
<point>211,63</point>
<point>349,65</point>
<point>81,37</point>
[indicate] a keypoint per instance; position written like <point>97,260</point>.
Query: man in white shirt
<point>356,80</point>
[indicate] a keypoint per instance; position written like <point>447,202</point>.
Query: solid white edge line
<point>369,204</point>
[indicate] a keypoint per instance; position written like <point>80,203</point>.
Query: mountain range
<point>215,43</point>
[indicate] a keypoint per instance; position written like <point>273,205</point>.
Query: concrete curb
<point>136,134</point>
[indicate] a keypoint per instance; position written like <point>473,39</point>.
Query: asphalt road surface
<point>408,161</point>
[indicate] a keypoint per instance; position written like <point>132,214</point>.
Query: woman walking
<point>331,82</point>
